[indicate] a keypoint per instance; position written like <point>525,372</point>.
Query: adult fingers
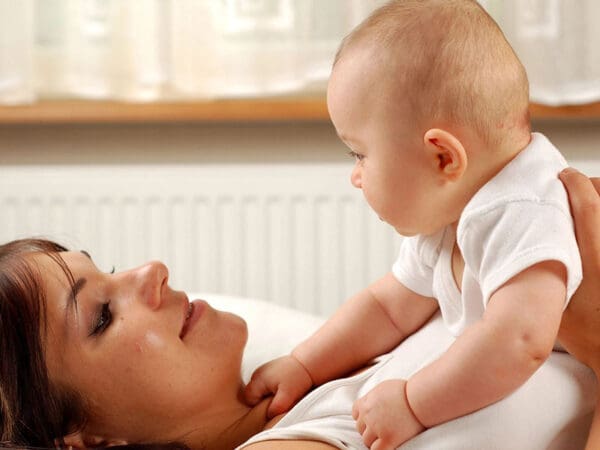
<point>585,206</point>
<point>583,191</point>
<point>596,182</point>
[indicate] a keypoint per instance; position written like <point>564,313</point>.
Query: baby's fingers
<point>380,444</point>
<point>282,402</point>
<point>356,409</point>
<point>369,437</point>
<point>255,390</point>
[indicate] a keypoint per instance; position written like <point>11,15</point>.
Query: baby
<point>433,103</point>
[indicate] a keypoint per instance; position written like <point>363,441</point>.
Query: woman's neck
<point>243,422</point>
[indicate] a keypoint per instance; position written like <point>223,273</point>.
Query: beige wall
<point>578,140</point>
<point>269,144</point>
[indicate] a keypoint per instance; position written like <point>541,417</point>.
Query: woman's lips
<point>196,308</point>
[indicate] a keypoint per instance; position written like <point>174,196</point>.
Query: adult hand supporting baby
<point>580,326</point>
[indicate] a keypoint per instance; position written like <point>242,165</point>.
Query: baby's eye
<point>356,156</point>
<point>103,319</point>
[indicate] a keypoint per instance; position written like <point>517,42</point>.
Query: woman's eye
<point>356,156</point>
<point>103,319</point>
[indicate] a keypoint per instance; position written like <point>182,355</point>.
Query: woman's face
<point>128,345</point>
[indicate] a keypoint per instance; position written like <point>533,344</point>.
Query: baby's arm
<point>370,323</point>
<point>497,354</point>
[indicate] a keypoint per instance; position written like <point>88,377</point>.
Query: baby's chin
<point>410,232</point>
<point>402,230</point>
<point>405,233</point>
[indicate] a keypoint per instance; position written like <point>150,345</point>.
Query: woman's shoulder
<point>289,445</point>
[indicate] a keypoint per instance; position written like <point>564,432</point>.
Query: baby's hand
<point>384,418</point>
<point>285,377</point>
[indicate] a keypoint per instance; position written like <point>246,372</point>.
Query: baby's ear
<point>82,440</point>
<point>446,154</point>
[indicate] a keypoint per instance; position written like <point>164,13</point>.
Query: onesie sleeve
<point>414,266</point>
<point>498,243</point>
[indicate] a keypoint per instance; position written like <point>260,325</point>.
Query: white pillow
<point>273,330</point>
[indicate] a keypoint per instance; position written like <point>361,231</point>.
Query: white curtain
<point>151,50</point>
<point>147,50</point>
<point>558,42</point>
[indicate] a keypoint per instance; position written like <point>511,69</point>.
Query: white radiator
<point>294,235</point>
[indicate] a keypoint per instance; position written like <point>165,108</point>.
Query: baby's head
<point>418,73</point>
<point>445,62</point>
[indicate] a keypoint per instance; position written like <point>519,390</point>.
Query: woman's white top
<point>553,410</point>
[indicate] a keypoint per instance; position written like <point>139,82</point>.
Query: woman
<point>94,359</point>
<point>113,344</point>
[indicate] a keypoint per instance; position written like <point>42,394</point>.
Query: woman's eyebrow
<point>72,300</point>
<point>77,287</point>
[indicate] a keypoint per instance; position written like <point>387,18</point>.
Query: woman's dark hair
<point>34,411</point>
<point>170,446</point>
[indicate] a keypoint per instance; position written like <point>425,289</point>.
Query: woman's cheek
<point>151,341</point>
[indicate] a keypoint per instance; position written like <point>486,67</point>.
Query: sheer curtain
<point>147,50</point>
<point>558,41</point>
<point>151,50</point>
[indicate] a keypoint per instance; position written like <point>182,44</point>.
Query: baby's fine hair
<point>451,62</point>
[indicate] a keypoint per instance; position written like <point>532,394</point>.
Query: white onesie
<point>519,218</point>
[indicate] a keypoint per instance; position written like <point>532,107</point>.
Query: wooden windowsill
<point>585,111</point>
<point>248,110</point>
<point>251,110</point>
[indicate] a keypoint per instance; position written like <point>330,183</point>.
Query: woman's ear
<point>82,440</point>
<point>446,153</point>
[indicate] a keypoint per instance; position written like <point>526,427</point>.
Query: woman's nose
<point>151,279</point>
<point>355,178</point>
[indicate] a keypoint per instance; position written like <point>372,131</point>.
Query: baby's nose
<point>355,177</point>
